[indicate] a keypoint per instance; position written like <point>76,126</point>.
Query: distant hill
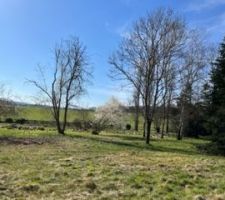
<point>35,112</point>
<point>43,113</point>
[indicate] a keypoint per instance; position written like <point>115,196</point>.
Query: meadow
<point>41,113</point>
<point>42,165</point>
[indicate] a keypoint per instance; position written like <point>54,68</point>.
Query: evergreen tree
<point>218,80</point>
<point>217,100</point>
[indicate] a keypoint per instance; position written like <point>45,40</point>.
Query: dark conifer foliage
<point>217,101</point>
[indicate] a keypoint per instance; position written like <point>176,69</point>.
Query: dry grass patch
<point>109,166</point>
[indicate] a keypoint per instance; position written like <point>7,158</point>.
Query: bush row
<point>36,125</point>
<point>17,121</point>
<point>19,127</point>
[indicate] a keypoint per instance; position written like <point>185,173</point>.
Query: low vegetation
<point>44,165</point>
<point>39,113</point>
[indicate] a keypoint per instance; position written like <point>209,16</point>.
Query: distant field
<point>44,114</point>
<point>108,166</point>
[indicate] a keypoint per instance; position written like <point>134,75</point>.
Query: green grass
<point>39,113</point>
<point>34,113</point>
<point>44,114</point>
<point>108,166</point>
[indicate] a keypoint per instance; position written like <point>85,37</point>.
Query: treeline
<point>165,62</point>
<point>177,77</point>
<point>171,68</point>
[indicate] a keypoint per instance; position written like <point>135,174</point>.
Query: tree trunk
<point>179,134</point>
<point>167,119</point>
<point>164,119</point>
<point>136,120</point>
<point>137,110</point>
<point>148,133</point>
<point>181,123</point>
<point>62,132</point>
<point>59,129</point>
<point>163,127</point>
<point>65,119</point>
<point>168,112</point>
<point>144,124</point>
<point>56,112</point>
<point>144,129</point>
<point>167,124</point>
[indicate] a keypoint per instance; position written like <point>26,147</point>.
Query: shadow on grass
<point>20,141</point>
<point>137,145</point>
<point>28,140</point>
<point>126,137</point>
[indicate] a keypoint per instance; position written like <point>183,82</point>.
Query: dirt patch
<point>30,188</point>
<point>23,141</point>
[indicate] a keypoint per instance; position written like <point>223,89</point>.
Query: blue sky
<point>29,30</point>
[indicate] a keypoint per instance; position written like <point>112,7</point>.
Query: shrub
<point>128,127</point>
<point>21,121</point>
<point>41,128</point>
<point>95,132</point>
<point>9,120</point>
<point>158,129</point>
<point>109,115</point>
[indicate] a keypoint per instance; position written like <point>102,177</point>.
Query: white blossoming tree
<point>110,114</point>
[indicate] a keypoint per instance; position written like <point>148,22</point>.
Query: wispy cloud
<point>123,31</point>
<point>218,26</point>
<point>206,4</point>
<point>213,27</point>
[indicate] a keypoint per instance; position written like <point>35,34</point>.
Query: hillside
<point>41,113</point>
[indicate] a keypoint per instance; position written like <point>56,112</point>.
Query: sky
<point>29,30</point>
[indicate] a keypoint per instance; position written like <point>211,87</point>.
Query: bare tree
<point>143,57</point>
<point>169,81</point>
<point>136,98</point>
<point>170,96</point>
<point>193,63</point>
<point>71,72</point>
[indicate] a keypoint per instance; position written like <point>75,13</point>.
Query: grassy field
<point>44,114</point>
<point>39,113</point>
<point>108,166</point>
